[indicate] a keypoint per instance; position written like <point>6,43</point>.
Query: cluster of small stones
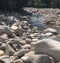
<point>20,42</point>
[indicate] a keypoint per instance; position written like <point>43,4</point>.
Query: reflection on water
<point>38,20</point>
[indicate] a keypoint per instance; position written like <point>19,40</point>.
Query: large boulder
<point>2,61</point>
<point>49,47</point>
<point>37,58</point>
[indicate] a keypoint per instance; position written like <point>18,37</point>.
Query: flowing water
<point>38,21</point>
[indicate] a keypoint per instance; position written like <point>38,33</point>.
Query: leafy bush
<point>12,5</point>
<point>43,5</point>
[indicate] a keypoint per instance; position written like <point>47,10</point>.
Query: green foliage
<point>44,3</point>
<point>16,5</point>
<point>12,5</point>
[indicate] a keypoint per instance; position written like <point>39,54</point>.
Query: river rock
<point>8,31</point>
<point>33,35</point>
<point>27,46</point>
<point>9,50</point>
<point>1,30</point>
<point>4,57</point>
<point>1,61</point>
<point>3,46</point>
<point>17,40</point>
<point>37,58</point>
<point>48,34</point>
<point>20,53</point>
<point>17,30</point>
<point>34,40</point>
<point>50,30</point>
<point>28,41</point>
<point>1,52</point>
<point>43,59</point>
<point>5,60</point>
<point>48,46</point>
<point>4,36</point>
<point>18,61</point>
<point>26,56</point>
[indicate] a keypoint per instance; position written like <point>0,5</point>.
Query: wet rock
<point>49,47</point>
<point>37,58</point>
<point>1,52</point>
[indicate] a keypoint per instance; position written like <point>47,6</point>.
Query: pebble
<point>37,58</point>
<point>48,46</point>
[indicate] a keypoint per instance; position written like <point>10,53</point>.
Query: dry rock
<point>9,50</point>
<point>17,30</point>
<point>1,52</point>
<point>18,61</point>
<point>9,32</point>
<point>21,53</point>
<point>37,58</point>
<point>4,36</point>
<point>28,41</point>
<point>27,46</point>
<point>49,47</point>
<point>50,30</point>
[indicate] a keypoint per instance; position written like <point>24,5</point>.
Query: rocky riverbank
<point>21,42</point>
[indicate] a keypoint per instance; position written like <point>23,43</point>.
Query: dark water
<point>38,21</point>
